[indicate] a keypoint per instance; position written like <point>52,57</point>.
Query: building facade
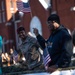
<point>64,9</point>
<point>11,19</point>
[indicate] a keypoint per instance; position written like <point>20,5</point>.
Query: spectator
<point>7,58</point>
<point>28,44</point>
<point>4,60</point>
<point>13,56</point>
<point>59,43</point>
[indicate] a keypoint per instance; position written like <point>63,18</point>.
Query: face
<point>50,25</point>
<point>11,50</point>
<point>22,34</point>
<point>6,54</point>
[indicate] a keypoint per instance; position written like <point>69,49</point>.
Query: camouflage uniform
<point>30,49</point>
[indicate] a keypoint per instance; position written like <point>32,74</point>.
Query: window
<point>35,23</point>
<point>13,16</point>
<point>3,15</point>
<point>11,3</point>
<point>0,18</point>
<point>2,5</point>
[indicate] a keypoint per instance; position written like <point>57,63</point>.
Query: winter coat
<point>59,46</point>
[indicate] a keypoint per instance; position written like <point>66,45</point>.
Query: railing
<point>21,71</point>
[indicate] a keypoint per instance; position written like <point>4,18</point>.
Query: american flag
<point>46,58</point>
<point>23,6</point>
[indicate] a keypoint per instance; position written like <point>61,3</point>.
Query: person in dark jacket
<point>59,43</point>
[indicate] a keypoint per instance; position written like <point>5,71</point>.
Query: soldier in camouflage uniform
<point>30,49</point>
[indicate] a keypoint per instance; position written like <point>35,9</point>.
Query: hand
<point>52,68</point>
<point>35,31</point>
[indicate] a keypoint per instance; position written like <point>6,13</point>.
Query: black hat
<point>54,17</point>
<point>20,29</point>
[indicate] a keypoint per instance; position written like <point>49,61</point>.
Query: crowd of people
<point>59,45</point>
<point>28,53</point>
<point>11,58</point>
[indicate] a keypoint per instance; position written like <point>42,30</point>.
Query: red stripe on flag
<point>46,58</point>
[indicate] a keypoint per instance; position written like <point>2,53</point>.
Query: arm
<point>40,39</point>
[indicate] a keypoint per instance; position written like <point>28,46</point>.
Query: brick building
<point>10,19</point>
<point>67,15</point>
